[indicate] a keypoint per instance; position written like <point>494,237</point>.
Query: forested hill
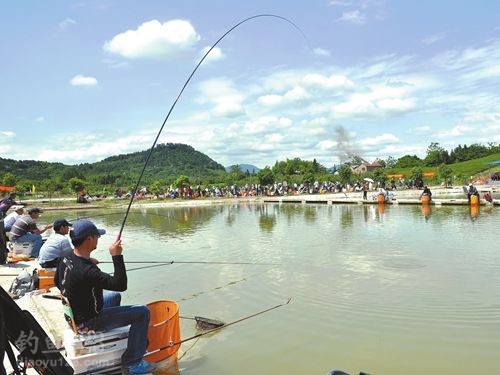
<point>167,161</point>
<point>30,169</point>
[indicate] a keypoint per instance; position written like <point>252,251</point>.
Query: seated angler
<point>472,191</point>
<point>11,218</point>
<point>83,283</point>
<point>5,205</point>
<point>427,192</point>
<point>26,230</point>
<point>57,245</point>
<point>383,192</point>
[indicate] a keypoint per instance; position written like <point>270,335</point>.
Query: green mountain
<point>167,162</point>
<point>244,168</point>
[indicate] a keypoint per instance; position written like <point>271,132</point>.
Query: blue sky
<point>83,80</point>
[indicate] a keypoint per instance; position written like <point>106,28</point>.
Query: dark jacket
<point>82,283</point>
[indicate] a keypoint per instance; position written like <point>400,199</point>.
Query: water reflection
<point>474,212</point>
<point>426,211</point>
<point>310,213</point>
<point>174,222</point>
<point>346,217</point>
<point>267,218</point>
<point>370,274</point>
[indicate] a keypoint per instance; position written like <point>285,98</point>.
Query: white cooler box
<point>21,248</point>
<point>97,351</point>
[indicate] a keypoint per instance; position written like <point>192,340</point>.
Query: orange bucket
<point>380,198</point>
<point>474,211</point>
<point>425,199</point>
<point>164,330</point>
<point>474,200</point>
<point>46,279</point>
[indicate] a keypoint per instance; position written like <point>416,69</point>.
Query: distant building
<point>366,167</point>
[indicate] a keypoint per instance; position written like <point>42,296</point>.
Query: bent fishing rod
<point>178,97</point>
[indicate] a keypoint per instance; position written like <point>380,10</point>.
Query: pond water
<point>390,291</point>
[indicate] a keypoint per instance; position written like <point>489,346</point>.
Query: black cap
<point>61,223</point>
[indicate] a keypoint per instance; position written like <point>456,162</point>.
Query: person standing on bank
<point>5,204</point>
<point>365,190</point>
<point>57,245</point>
<point>26,230</point>
<point>82,283</point>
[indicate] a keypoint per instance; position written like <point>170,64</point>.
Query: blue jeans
<point>36,239</point>
<point>113,315</point>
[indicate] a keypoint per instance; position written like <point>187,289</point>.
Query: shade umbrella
<point>368,179</point>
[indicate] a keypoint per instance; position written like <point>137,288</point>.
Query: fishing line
<point>94,216</point>
<point>179,95</point>
<point>217,288</point>
<point>161,264</point>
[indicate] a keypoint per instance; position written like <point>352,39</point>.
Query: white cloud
<point>228,107</point>
<point>355,17</point>
<point>333,81</point>
<point>342,3</point>
<point>266,124</point>
<point>425,129</point>
<point>116,64</point>
<point>154,39</point>
<point>7,134</point>
<point>222,94</point>
<point>356,105</point>
<point>274,138</point>
<point>68,22</point>
<point>433,38</point>
<point>40,119</point>
<point>456,131</point>
<point>401,149</point>
<point>396,104</point>
<point>380,139</point>
<point>214,55</point>
<point>321,51</point>
<point>270,100</point>
<point>293,95</point>
<point>327,145</point>
<point>80,80</point>
<point>92,147</point>
<point>318,121</point>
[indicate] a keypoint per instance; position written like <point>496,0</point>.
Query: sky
<point>84,80</point>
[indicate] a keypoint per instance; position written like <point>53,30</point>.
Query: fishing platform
<point>441,197</point>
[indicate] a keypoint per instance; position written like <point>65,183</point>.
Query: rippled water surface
<point>400,290</point>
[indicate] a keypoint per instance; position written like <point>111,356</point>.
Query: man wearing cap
<point>5,204</point>
<point>82,283</point>
<point>56,245</point>
<point>472,191</point>
<point>26,230</point>
<point>11,218</point>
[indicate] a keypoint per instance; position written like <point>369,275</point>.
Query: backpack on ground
<point>24,283</point>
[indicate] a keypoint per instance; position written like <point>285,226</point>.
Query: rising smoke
<point>345,149</point>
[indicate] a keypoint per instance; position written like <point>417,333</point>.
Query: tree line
<point>181,165</point>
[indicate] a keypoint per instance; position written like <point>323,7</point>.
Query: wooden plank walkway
<point>337,199</point>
